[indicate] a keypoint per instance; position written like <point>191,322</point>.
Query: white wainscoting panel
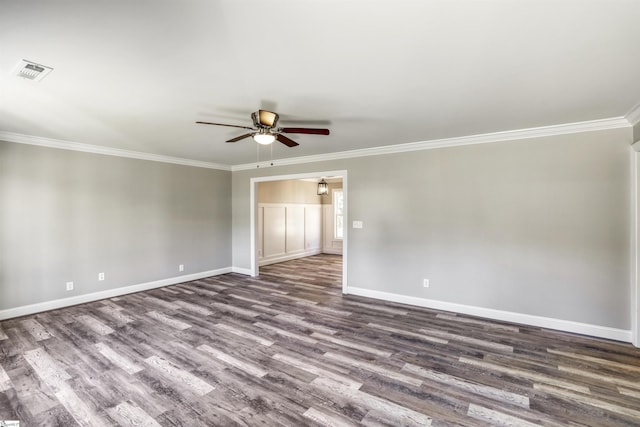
<point>288,231</point>
<point>295,228</point>
<point>313,226</point>
<point>274,231</point>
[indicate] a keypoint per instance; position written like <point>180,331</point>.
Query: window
<point>338,214</point>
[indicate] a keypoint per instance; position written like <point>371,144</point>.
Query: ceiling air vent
<point>31,70</point>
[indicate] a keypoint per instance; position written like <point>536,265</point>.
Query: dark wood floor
<point>288,349</point>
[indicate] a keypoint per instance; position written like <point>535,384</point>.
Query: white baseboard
<point>507,316</point>
<point>332,251</point>
<point>245,271</point>
<point>26,310</point>
<point>289,257</point>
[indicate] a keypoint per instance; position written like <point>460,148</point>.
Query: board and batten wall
<point>65,216</point>
<point>534,230</point>
<point>289,221</point>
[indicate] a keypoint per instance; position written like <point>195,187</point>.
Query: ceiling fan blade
<point>238,138</point>
<point>286,141</point>
<point>306,130</point>
<point>223,124</point>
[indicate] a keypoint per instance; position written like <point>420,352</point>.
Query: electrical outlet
<point>69,286</point>
<point>181,267</point>
<point>100,276</point>
<point>425,283</point>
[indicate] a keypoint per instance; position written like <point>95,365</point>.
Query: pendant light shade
<point>323,188</point>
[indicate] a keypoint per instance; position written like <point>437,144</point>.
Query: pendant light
<point>323,188</point>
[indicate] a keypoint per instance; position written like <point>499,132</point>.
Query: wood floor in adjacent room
<point>288,349</point>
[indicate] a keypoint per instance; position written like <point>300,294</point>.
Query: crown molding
<point>107,151</point>
<point>630,119</point>
<point>543,131</point>
<point>633,116</point>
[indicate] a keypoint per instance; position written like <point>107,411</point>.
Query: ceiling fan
<point>265,130</point>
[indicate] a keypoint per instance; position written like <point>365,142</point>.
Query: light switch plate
<point>357,224</point>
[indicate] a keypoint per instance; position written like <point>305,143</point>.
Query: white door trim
<point>635,250</point>
<point>253,206</point>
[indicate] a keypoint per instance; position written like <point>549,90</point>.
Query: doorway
<point>254,205</point>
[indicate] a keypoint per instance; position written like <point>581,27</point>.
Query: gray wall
<point>66,216</point>
<point>636,132</point>
<point>539,226</point>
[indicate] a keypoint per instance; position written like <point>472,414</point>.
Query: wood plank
<point>284,333</point>
<point>95,325</point>
<point>128,414</point>
<point>117,314</point>
<point>247,367</point>
<point>5,381</point>
<point>48,369</point>
<point>79,409</point>
<point>422,337</point>
<point>497,418</point>
<point>243,334</point>
<point>375,368</point>
<point>351,344</point>
<point>36,329</point>
<point>309,366</point>
<point>118,360</point>
<point>480,389</point>
<point>327,418</point>
<point>168,320</point>
<point>589,400</point>
<point>533,376</point>
<point>404,416</point>
<point>181,376</point>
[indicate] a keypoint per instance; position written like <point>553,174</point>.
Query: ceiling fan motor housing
<point>265,119</point>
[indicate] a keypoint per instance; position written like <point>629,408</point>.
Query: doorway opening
<point>273,218</point>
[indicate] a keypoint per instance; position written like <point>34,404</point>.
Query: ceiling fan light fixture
<point>264,138</point>
<point>265,130</point>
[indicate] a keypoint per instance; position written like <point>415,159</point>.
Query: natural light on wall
<point>338,212</point>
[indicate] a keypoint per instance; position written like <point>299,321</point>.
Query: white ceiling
<point>136,75</point>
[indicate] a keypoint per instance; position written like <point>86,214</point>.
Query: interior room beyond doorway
<point>294,221</point>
